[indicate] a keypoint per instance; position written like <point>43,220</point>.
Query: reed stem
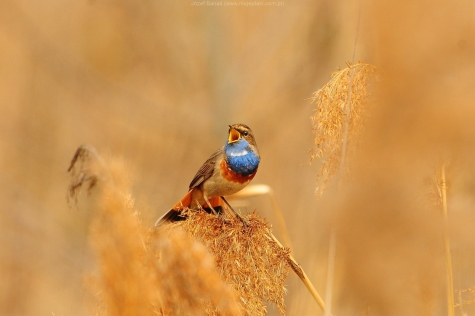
<point>448,256</point>
<point>303,276</point>
<point>330,274</point>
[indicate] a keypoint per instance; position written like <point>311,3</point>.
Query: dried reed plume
<point>142,272</point>
<point>338,119</point>
<point>247,257</point>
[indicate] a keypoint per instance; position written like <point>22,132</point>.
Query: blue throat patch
<point>241,158</point>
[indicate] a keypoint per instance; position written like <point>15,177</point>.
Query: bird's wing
<point>206,169</point>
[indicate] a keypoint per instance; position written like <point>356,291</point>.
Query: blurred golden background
<point>158,82</point>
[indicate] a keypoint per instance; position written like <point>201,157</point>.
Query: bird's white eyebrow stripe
<point>240,153</point>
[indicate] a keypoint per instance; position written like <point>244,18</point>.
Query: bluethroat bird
<point>226,172</point>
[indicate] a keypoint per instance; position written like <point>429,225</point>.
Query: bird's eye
<point>245,133</point>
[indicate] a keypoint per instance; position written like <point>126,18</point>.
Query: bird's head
<point>239,132</point>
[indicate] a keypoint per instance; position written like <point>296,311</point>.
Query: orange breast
<point>230,175</point>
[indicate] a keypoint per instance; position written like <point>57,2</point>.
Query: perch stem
<point>303,276</point>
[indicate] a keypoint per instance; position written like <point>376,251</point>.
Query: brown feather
<point>206,170</point>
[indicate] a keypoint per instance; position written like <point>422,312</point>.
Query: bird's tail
<point>175,213</point>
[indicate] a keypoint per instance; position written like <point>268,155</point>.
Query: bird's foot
<point>244,222</point>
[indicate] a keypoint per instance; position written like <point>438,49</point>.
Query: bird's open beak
<point>234,136</point>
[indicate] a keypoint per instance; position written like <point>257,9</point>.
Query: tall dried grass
<point>205,265</point>
<point>141,271</point>
<point>392,247</point>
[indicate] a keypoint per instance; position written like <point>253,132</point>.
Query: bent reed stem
<point>303,276</point>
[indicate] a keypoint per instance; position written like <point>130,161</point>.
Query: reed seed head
<point>332,116</point>
<point>246,256</point>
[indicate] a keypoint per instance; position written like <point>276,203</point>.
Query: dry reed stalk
<point>448,255</point>
<point>341,105</point>
<point>303,276</point>
<point>143,272</point>
<point>330,274</point>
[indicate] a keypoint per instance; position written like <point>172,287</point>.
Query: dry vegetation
<point>157,82</point>
<point>142,272</point>
<point>341,107</point>
<point>202,266</point>
<point>247,257</point>
<point>394,251</point>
